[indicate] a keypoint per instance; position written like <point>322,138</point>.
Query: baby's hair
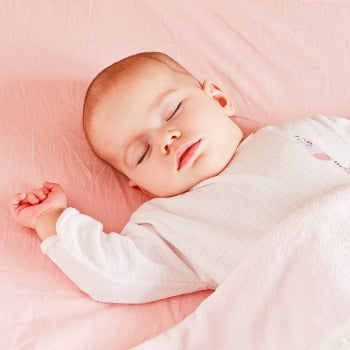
<point>108,78</point>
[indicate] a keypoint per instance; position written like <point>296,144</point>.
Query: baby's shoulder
<point>323,126</point>
<point>317,125</point>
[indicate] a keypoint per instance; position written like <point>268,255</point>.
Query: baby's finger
<point>19,197</point>
<point>38,193</point>
<point>53,187</point>
<point>49,185</point>
<point>26,198</point>
<point>45,190</point>
<point>17,203</point>
<point>16,199</point>
<point>31,199</point>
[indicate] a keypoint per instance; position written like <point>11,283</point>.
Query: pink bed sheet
<point>278,60</point>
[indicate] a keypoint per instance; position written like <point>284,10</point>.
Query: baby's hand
<point>28,207</point>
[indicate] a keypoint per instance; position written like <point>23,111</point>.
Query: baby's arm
<point>134,267</point>
<point>46,225</point>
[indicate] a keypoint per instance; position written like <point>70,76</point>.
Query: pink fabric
<point>290,292</point>
<point>278,60</point>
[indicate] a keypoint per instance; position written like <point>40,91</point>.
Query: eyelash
<point>176,109</point>
<point>144,155</point>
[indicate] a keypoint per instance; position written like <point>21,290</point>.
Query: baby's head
<point>150,119</point>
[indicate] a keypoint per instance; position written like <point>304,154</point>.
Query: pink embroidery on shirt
<point>318,153</point>
<point>322,156</point>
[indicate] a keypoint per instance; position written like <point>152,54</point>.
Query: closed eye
<point>143,156</point>
<point>176,109</point>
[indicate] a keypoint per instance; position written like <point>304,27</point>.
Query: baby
<point>213,196</point>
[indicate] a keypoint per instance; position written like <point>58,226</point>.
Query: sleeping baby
<point>213,195</point>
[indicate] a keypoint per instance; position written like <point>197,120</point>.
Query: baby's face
<point>164,131</point>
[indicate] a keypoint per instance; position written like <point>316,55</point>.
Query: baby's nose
<point>166,139</point>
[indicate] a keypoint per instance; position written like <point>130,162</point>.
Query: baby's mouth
<point>185,153</point>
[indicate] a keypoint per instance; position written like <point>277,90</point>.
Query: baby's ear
<point>219,94</point>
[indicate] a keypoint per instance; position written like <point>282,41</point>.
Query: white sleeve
<point>341,126</point>
<point>136,266</point>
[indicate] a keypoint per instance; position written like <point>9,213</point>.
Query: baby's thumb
<point>53,187</point>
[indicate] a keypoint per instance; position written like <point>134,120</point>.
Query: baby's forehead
<point>144,85</point>
<point>139,86</point>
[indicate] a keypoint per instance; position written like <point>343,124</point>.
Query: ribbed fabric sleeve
<point>114,268</point>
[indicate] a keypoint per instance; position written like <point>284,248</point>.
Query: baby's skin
<point>39,208</point>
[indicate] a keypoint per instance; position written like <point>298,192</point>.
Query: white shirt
<point>192,241</point>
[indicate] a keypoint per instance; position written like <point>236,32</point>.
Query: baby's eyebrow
<point>155,104</point>
<point>158,100</point>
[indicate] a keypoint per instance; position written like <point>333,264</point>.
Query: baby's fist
<point>28,207</point>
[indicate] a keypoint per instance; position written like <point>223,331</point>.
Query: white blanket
<point>291,292</point>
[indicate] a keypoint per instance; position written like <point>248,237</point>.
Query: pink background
<point>279,60</point>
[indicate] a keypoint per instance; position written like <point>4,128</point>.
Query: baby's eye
<point>143,156</point>
<point>176,109</point>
